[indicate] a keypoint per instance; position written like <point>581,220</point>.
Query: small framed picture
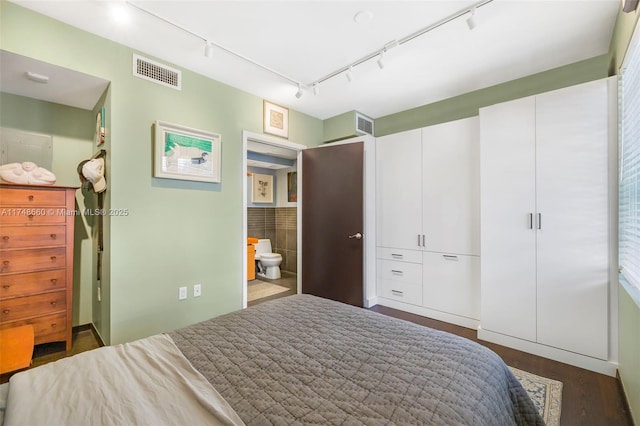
<point>184,153</point>
<point>276,120</point>
<point>262,189</point>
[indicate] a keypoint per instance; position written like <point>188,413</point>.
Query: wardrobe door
<point>507,187</point>
<point>572,201</point>
<point>399,189</point>
<point>451,187</point>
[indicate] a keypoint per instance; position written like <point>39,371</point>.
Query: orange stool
<point>251,258</point>
<point>16,348</point>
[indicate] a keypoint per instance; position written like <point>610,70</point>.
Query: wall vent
<point>364,124</point>
<point>158,73</point>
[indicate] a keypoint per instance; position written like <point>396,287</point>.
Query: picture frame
<point>292,187</point>
<point>262,188</point>
<point>184,153</point>
<point>276,120</point>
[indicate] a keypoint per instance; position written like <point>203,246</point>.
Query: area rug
<point>545,393</point>
<point>257,289</point>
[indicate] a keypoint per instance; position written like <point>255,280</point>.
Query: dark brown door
<point>332,222</point>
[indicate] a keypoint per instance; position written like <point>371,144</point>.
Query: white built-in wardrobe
<point>504,222</point>
<point>428,217</point>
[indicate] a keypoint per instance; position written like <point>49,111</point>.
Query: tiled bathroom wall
<point>279,224</point>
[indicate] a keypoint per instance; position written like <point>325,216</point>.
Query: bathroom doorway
<point>271,219</point>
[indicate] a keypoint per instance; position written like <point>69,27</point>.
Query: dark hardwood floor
<point>588,398</point>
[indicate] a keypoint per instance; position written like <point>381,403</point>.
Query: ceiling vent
<point>364,125</point>
<point>158,73</point>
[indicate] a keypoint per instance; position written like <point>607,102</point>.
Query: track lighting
<point>299,93</point>
<point>208,50</point>
<point>379,61</point>
<point>471,20</point>
<point>349,74</point>
<point>316,89</point>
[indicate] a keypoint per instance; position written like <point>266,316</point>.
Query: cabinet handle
<point>6,287</point>
<point>5,238</point>
<point>539,220</point>
<point>53,303</point>
<point>30,197</point>
<point>418,240</point>
<point>530,220</point>
<point>5,263</point>
<point>54,281</point>
<point>53,258</point>
<point>397,256</point>
<point>395,271</point>
<point>397,292</point>
<point>53,325</point>
<point>450,257</point>
<point>424,240</point>
<point>53,236</point>
<point>6,312</point>
<point>30,217</point>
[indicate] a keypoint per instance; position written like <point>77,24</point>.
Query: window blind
<point>629,201</point>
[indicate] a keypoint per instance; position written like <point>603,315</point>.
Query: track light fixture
<point>349,74</point>
<point>471,20</point>
<point>316,89</point>
<point>379,61</point>
<point>299,93</point>
<point>208,50</point>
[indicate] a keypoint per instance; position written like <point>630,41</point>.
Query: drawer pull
<point>53,258</point>
<point>53,236</point>
<point>30,217</point>
<point>5,263</point>
<point>450,257</point>
<point>396,272</point>
<point>5,238</point>
<point>397,256</point>
<point>6,287</point>
<point>54,281</point>
<point>6,312</point>
<point>397,292</point>
<point>30,197</point>
<point>53,303</point>
<point>53,325</point>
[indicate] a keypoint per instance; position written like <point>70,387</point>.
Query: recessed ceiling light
<point>363,17</point>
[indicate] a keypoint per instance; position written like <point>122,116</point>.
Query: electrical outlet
<point>197,290</point>
<point>182,294</point>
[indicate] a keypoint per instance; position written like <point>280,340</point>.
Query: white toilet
<point>268,262</point>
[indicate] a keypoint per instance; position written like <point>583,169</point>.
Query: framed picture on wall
<point>184,153</point>
<point>262,191</point>
<point>276,120</point>
<point>292,187</point>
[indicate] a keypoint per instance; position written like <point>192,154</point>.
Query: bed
<point>296,360</point>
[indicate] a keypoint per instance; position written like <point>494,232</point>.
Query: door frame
<point>369,217</point>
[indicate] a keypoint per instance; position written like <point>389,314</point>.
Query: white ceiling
<point>307,40</point>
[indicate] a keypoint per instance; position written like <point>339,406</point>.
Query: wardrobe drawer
<point>400,291</point>
<point>25,307</point>
<point>31,260</point>
<point>48,328</point>
<point>32,283</point>
<point>400,271</point>
<point>402,255</point>
<point>31,197</point>
<point>31,236</point>
<point>452,284</point>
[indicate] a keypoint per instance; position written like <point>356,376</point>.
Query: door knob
<point>357,236</point>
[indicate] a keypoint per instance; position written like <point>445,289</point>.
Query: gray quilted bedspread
<point>307,360</point>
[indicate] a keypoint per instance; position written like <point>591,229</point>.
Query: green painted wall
<point>628,305</point>
<point>71,130</point>
<point>339,127</point>
<point>177,233</point>
<point>468,104</point>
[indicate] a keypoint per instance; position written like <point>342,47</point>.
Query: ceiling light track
<point>379,53</point>
<point>209,45</point>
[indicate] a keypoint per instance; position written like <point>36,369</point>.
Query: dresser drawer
<point>402,292</point>
<point>48,328</point>
<point>31,197</point>
<point>30,216</point>
<point>32,283</point>
<point>25,307</point>
<point>405,272</point>
<point>31,236</point>
<point>413,256</point>
<point>31,260</point>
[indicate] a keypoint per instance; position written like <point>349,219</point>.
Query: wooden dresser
<point>36,259</point>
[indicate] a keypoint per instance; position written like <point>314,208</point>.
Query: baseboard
<point>430,313</point>
<point>593,364</point>
<point>370,301</point>
<point>94,331</point>
<point>625,401</point>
